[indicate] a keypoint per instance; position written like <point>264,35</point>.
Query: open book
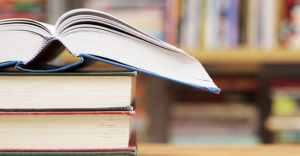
<point>96,35</point>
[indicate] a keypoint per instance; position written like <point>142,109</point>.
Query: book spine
<point>7,64</point>
<point>131,113</point>
<point>127,108</point>
<point>130,148</point>
<point>119,153</point>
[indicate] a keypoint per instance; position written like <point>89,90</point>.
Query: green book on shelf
<point>69,91</point>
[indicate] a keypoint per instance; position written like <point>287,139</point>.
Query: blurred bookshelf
<point>284,116</point>
<point>33,9</point>
<point>243,44</point>
<point>247,56</point>
<point>214,123</point>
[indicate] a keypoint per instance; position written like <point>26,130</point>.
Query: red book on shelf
<point>20,15</point>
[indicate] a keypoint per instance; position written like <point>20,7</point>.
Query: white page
<point>50,27</point>
<point>114,21</point>
<point>35,24</point>
<point>130,47</point>
<point>19,45</point>
<point>136,53</point>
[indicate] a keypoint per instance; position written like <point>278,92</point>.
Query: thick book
<point>72,131</point>
<point>67,91</point>
<point>93,35</point>
<point>130,151</point>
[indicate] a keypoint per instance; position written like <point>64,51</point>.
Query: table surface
<point>261,150</point>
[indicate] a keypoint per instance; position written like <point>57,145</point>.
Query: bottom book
<point>67,133</point>
<point>130,151</point>
<point>95,153</point>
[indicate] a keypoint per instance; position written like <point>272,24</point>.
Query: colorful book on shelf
<point>213,123</point>
<point>282,123</point>
<point>67,91</point>
<point>93,35</point>
<point>72,131</point>
<point>134,13</point>
<point>32,9</point>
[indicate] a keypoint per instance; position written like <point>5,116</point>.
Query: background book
<point>33,9</point>
<point>146,14</point>
<point>284,118</point>
<point>213,123</point>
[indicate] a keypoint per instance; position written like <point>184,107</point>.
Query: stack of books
<point>67,113</point>
<point>284,118</point>
<point>49,110</point>
<point>213,123</point>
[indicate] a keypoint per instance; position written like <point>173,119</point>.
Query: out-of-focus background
<point>251,48</point>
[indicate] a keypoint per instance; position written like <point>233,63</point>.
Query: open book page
<point>86,32</point>
<point>22,24</point>
<point>21,39</point>
<point>149,59</point>
<point>50,27</point>
<point>98,34</point>
<point>89,15</point>
<point>19,45</point>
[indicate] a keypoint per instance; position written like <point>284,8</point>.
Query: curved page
<point>94,33</point>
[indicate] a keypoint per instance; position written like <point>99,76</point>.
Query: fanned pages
<point>97,35</point>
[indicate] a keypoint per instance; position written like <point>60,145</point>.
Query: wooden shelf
<point>262,150</point>
<point>247,56</point>
<point>238,56</point>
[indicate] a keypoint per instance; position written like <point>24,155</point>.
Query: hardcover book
<point>93,35</point>
<point>130,151</point>
<point>67,91</point>
<point>71,131</point>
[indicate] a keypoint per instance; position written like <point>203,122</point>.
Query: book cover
<point>101,73</point>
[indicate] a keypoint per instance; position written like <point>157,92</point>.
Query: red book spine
<point>130,148</point>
